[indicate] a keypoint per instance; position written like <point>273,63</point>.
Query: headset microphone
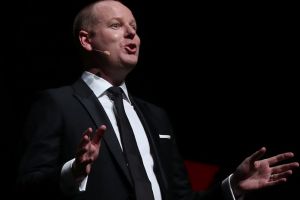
<point>103,52</point>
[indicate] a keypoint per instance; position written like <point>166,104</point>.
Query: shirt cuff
<point>68,184</point>
<point>227,190</point>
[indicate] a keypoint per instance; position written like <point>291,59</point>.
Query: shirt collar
<point>99,85</point>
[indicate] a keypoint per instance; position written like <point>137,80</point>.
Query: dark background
<point>226,73</point>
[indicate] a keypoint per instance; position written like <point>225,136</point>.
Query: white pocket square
<point>165,136</point>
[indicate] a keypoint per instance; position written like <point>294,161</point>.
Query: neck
<point>114,78</point>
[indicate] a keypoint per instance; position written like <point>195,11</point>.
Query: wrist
<point>235,185</point>
<point>74,170</point>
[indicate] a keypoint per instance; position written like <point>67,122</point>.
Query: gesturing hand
<point>88,152</point>
<point>253,173</point>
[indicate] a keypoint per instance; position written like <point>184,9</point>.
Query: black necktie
<point>142,185</point>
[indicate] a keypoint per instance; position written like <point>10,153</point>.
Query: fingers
<point>86,137</point>
<point>276,179</point>
<point>89,146</point>
<point>284,167</point>
<point>97,137</point>
<point>99,134</point>
<point>283,175</point>
<point>276,182</point>
<point>84,142</point>
<point>280,157</point>
<point>257,155</point>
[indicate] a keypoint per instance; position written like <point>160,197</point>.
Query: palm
<point>255,175</point>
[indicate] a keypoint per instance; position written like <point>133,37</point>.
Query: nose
<point>130,32</point>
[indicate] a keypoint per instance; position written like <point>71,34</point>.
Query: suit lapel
<point>87,98</point>
<point>154,143</point>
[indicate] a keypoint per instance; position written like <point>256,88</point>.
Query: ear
<point>85,40</point>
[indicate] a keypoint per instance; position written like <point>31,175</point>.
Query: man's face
<point>116,33</point>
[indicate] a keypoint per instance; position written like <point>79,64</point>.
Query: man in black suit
<point>75,148</point>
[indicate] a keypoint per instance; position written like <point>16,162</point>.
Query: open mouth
<point>131,48</point>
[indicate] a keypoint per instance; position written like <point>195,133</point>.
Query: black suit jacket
<point>55,126</point>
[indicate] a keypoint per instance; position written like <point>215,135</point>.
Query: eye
<point>134,27</point>
<point>115,25</point>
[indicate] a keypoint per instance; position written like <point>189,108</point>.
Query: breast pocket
<point>165,141</point>
<point>164,136</point>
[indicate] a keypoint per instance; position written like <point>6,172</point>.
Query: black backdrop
<point>226,73</point>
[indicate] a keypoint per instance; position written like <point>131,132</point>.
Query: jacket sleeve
<point>39,171</point>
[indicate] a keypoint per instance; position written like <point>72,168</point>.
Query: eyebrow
<point>118,18</point>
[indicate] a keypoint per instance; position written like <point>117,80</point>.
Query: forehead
<point>106,10</point>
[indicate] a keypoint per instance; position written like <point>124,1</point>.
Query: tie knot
<point>115,92</point>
